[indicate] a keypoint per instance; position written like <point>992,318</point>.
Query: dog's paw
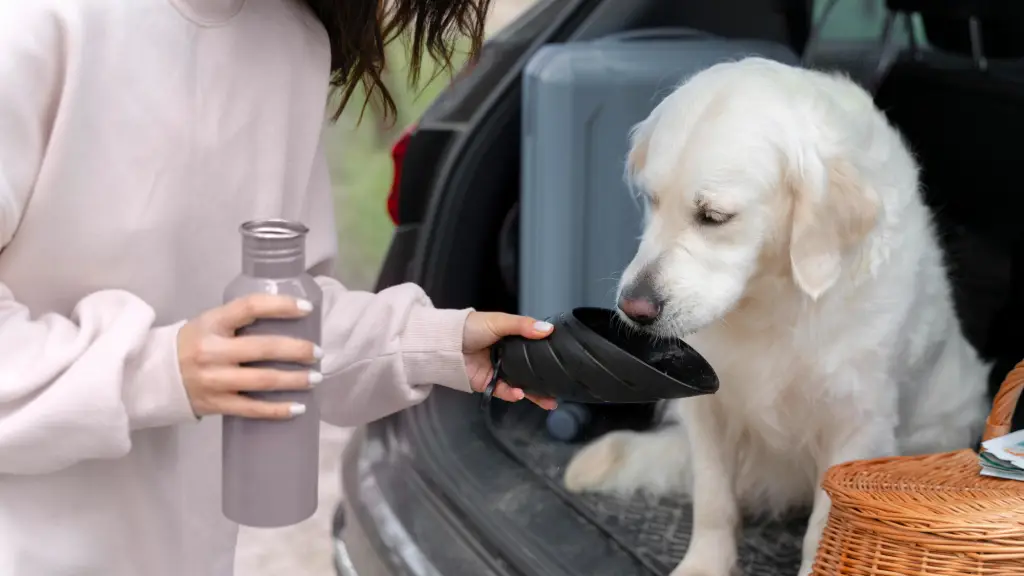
<point>716,559</point>
<point>593,467</point>
<point>692,569</point>
<point>695,569</point>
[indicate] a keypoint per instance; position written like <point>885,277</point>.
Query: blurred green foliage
<point>359,154</point>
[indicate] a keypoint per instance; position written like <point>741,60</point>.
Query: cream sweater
<point>135,136</point>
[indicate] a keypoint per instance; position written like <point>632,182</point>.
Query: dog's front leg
<point>712,550</point>
<point>872,440</point>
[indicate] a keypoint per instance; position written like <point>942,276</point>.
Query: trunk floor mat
<point>655,529</point>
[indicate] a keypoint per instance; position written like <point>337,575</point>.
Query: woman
<point>135,135</point>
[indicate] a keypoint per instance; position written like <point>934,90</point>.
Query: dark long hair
<point>359,30</point>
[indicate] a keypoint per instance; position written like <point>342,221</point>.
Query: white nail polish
<point>542,326</point>
<point>315,378</point>
<point>318,352</point>
<point>304,305</point>
<point>297,409</point>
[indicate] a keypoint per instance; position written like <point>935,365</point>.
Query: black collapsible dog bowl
<point>593,357</point>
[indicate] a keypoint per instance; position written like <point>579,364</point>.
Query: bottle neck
<point>273,249</point>
<point>273,268</point>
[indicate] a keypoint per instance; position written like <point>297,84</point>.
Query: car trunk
<point>493,473</point>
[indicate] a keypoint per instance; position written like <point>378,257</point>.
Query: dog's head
<point>743,182</point>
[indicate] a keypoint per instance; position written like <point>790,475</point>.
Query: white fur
<point>831,345</point>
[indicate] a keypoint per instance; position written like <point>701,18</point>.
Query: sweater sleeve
<point>71,388</point>
<point>384,351</point>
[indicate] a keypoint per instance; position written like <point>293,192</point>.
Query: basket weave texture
<point>932,515</point>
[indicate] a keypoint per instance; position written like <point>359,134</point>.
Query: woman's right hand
<point>209,357</point>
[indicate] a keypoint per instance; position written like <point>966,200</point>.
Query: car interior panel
<point>954,86</point>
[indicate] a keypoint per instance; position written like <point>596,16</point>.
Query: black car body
<point>477,494</point>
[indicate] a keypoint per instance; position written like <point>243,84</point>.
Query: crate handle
<point>1005,403</point>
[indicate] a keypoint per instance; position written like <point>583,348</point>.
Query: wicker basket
<point>927,515</point>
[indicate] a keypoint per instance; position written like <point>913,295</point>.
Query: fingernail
<point>297,409</point>
<point>519,394</point>
<point>315,378</point>
<point>541,326</point>
<point>304,305</point>
<point>318,352</point>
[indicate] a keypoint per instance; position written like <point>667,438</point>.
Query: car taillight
<point>397,156</point>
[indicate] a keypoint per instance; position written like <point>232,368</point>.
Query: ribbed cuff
<point>153,393</point>
<point>432,348</point>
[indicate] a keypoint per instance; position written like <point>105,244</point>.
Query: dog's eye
<point>707,217</point>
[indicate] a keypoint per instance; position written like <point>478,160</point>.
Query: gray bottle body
<point>271,467</point>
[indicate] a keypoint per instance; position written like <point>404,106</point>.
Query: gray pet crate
<point>579,224</point>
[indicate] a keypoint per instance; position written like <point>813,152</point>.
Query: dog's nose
<point>640,303</point>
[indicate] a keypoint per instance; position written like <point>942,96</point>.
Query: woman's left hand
<point>483,329</point>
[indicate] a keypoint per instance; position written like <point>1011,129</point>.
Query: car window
<point>857,20</point>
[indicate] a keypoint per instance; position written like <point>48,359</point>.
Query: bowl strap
<point>488,393</point>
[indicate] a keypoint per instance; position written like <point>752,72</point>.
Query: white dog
<point>787,238</point>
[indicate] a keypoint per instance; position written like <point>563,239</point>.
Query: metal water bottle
<point>271,467</point>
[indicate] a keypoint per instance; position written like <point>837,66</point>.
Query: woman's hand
<point>209,355</point>
<point>483,329</point>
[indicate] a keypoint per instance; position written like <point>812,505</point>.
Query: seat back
<point>965,126</point>
<point>947,25</point>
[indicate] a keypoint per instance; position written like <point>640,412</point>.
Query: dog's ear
<point>637,158</point>
<point>639,140</point>
<point>833,211</point>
